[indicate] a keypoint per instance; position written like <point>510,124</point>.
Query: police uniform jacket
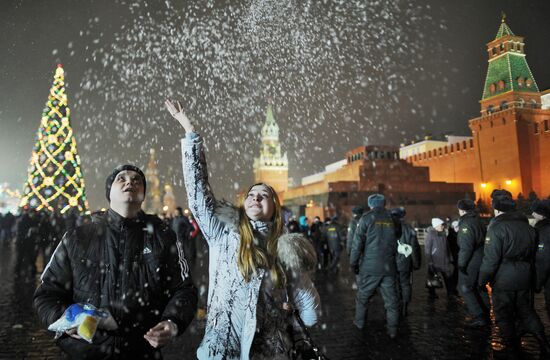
<point>471,239</point>
<point>509,253</point>
<point>374,244</point>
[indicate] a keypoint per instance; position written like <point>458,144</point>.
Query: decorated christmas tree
<point>55,180</point>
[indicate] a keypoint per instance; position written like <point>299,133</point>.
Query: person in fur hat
<point>257,275</point>
<point>507,265</point>
<point>373,253</point>
<point>471,239</point>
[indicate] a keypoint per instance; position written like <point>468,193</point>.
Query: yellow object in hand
<point>87,329</point>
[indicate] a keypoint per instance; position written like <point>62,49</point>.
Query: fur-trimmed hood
<point>295,252</point>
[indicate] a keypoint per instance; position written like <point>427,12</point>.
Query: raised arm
<point>200,197</point>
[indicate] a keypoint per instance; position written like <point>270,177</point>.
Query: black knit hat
<point>398,212</point>
<point>466,205</point>
<point>112,176</point>
<point>502,200</point>
<point>541,207</point>
<point>357,210</point>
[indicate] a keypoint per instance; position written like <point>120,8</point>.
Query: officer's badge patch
<point>487,240</point>
<point>464,230</point>
<point>541,247</point>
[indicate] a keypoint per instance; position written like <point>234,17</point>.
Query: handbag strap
<point>296,315</point>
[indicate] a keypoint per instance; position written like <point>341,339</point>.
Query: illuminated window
<point>520,102</point>
<point>504,105</point>
<point>520,81</point>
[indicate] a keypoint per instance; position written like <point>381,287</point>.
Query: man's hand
<point>179,115</point>
<point>73,333</point>
<point>161,334</point>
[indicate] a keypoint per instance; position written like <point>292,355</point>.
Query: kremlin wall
<point>509,148</point>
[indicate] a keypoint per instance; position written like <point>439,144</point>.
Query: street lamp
<point>508,182</point>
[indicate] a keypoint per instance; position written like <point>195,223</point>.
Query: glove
<point>462,269</point>
<point>356,269</point>
<point>482,288</point>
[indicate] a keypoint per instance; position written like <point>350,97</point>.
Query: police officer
<point>373,252</point>
<point>334,241</point>
<point>471,238</point>
<point>507,265</point>
<point>408,259</point>
<point>541,214</point>
<point>356,211</point>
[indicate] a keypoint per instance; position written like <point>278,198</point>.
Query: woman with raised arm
<point>258,274</point>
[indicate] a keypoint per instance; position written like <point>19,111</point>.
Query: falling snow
<point>340,66</point>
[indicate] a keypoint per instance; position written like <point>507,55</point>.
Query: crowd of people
<point>261,264</point>
<point>506,259</point>
<point>36,233</point>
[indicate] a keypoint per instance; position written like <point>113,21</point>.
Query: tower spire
<point>272,165</point>
<point>508,71</point>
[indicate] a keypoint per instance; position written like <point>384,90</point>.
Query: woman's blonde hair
<point>252,257</point>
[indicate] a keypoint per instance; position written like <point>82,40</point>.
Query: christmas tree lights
<point>55,180</point>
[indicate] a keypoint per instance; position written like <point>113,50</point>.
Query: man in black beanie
<point>541,213</point>
<point>128,263</point>
<point>471,239</point>
<point>507,265</point>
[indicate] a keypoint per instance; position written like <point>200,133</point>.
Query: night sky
<point>341,74</point>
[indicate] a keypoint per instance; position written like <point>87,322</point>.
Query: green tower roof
<point>508,69</point>
<point>504,29</point>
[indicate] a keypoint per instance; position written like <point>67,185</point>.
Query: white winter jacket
<point>232,302</point>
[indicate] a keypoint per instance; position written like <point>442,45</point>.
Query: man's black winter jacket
<point>509,253</point>
<point>132,267</point>
<point>414,260</point>
<point>471,238</point>
<point>542,261</point>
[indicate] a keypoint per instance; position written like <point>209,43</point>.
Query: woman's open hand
<point>177,113</point>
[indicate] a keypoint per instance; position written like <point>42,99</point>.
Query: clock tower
<point>272,166</point>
